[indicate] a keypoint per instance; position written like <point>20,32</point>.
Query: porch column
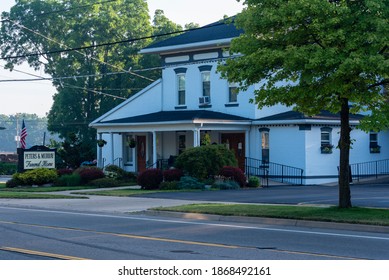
<point>196,138</point>
<point>112,149</point>
<point>154,147</point>
<point>247,140</point>
<point>100,152</point>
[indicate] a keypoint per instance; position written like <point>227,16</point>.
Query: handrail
<point>369,169</point>
<point>277,172</point>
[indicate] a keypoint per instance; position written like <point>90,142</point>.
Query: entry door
<point>141,153</point>
<point>236,143</point>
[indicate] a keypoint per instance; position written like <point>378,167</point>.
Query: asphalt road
<point>46,234</point>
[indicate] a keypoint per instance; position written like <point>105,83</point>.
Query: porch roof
<point>177,116</point>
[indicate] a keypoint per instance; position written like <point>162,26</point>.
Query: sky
<point>36,97</point>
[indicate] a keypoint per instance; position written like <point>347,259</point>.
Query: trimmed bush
<point>172,175</point>
<point>119,173</point>
<point>190,183</point>
<point>8,168</point>
<point>205,161</point>
<point>253,182</point>
<point>104,183</point>
<point>69,180</point>
<point>226,185</point>
<point>150,179</point>
<point>11,183</point>
<point>39,176</point>
<point>89,173</point>
<point>168,186</point>
<point>64,171</point>
<point>235,174</point>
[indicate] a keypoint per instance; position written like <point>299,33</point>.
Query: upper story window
<point>326,140</point>
<point>181,89</point>
<point>205,84</point>
<point>233,93</point>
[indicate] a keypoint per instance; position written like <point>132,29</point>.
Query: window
<point>374,147</point>
<point>181,89</point>
<point>181,143</point>
<point>326,145</point>
<point>128,150</point>
<point>265,144</point>
<point>206,83</point>
<point>233,93</point>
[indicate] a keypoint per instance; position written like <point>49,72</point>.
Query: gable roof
<point>176,116</point>
<point>214,34</point>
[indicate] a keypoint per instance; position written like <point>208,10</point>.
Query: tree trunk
<point>344,146</point>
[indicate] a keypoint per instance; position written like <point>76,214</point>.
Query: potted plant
<point>326,148</point>
<point>101,142</point>
<point>132,143</point>
<point>375,149</point>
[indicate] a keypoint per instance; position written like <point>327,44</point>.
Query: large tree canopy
<point>315,55</point>
<point>93,74</point>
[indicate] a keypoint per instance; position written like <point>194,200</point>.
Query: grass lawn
<point>122,192</point>
<point>353,215</point>
<point>29,195</point>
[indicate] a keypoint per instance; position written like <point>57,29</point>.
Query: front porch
<point>138,150</point>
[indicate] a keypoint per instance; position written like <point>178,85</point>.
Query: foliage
<point>74,151</point>
<point>89,173</point>
<point>11,183</point>
<point>39,176</point>
<point>314,55</point>
<point>104,183</point>
<point>226,185</point>
<point>8,168</point>
<point>169,185</point>
<point>150,179</point>
<point>172,175</point>
<point>64,171</point>
<point>68,180</point>
<point>253,182</point>
<point>204,161</point>
<point>120,173</point>
<point>189,183</point>
<point>234,173</point>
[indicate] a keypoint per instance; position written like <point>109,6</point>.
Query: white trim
<point>297,122</point>
<point>124,103</point>
<point>199,45</point>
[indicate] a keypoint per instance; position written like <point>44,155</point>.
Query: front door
<point>141,153</point>
<point>236,142</point>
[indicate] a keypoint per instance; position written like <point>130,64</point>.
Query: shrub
<point>89,173</point>
<point>172,185</point>
<point>226,185</point>
<point>11,183</point>
<point>104,183</point>
<point>39,176</point>
<point>253,182</point>
<point>204,161</point>
<point>187,182</point>
<point>69,180</point>
<point>119,173</point>
<point>234,173</point>
<point>64,171</point>
<point>8,168</point>
<point>150,179</point>
<point>172,175</point>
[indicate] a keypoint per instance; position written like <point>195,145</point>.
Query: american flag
<point>23,135</point>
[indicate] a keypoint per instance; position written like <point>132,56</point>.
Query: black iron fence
<point>370,169</point>
<point>273,171</point>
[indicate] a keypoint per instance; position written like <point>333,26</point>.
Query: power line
<point>110,43</point>
<point>93,58</point>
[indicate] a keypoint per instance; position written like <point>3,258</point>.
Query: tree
<point>45,26</point>
<point>315,55</point>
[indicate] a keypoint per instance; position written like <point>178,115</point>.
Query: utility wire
<point>93,58</point>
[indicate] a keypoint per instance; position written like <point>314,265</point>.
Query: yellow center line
<point>39,253</point>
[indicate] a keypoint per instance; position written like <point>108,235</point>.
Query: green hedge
<point>8,168</point>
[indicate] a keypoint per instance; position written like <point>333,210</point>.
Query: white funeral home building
<point>191,100</point>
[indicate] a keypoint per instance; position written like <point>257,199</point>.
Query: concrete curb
<point>270,221</point>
